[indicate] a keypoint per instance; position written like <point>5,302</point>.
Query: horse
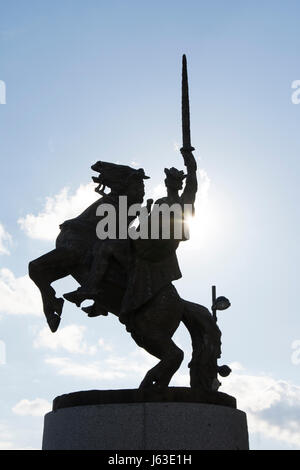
<point>159,311</point>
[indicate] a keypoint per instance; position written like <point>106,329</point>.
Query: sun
<point>203,226</point>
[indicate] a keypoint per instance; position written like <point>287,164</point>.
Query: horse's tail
<point>206,343</point>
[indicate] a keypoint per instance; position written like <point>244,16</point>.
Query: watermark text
<point>295,97</point>
<point>2,353</point>
<point>2,92</point>
<point>164,222</point>
<point>295,357</point>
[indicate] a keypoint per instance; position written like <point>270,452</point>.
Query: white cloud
<point>136,363</point>
<point>236,367</point>
<point>18,295</point>
<point>272,406</point>
<point>91,371</point>
<point>5,434</point>
<point>57,209</point>
<point>105,346</point>
<point>8,439</point>
<point>6,445</point>
<point>69,338</point>
<point>133,365</point>
<point>5,241</point>
<point>37,407</point>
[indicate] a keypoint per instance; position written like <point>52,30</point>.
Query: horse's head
<point>121,179</point>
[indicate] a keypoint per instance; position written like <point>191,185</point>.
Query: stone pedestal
<point>146,426</point>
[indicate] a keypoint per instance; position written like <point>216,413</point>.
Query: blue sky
<point>95,80</point>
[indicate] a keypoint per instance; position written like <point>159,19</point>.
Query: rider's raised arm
<point>191,185</point>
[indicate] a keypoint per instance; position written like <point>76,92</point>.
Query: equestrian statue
<point>132,277</point>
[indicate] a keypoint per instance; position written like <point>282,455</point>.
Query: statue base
<point>156,424</point>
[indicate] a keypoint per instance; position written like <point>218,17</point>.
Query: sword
<point>185,109</point>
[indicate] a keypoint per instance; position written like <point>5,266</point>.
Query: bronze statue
<point>132,278</point>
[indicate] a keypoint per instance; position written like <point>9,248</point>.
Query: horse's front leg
<point>46,269</point>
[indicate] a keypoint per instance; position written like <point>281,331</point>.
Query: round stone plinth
<point>146,426</point>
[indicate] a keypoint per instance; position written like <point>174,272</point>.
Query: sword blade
<point>185,107</point>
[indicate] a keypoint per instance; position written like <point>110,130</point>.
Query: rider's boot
<point>79,295</point>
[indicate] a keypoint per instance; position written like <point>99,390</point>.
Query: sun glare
<point>203,226</point>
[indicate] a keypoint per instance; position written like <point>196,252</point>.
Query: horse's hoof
<point>53,321</point>
<point>78,296</point>
<point>74,298</point>
<point>94,311</point>
<point>59,303</point>
<point>149,383</point>
<point>90,311</point>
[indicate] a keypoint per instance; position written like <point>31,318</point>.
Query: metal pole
<point>214,296</point>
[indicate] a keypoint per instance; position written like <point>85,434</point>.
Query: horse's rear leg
<point>152,328</point>
<point>47,269</point>
<point>171,357</point>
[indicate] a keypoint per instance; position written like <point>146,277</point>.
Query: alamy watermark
<point>295,357</point>
<point>2,92</point>
<point>295,97</point>
<point>163,222</point>
<point>2,353</point>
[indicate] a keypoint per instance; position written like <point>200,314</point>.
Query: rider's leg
<point>102,255</point>
<point>88,289</point>
<point>99,266</point>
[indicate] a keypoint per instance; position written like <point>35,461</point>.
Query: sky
<point>95,80</point>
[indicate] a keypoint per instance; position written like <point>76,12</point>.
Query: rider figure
<point>155,263</point>
<point>142,259</point>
